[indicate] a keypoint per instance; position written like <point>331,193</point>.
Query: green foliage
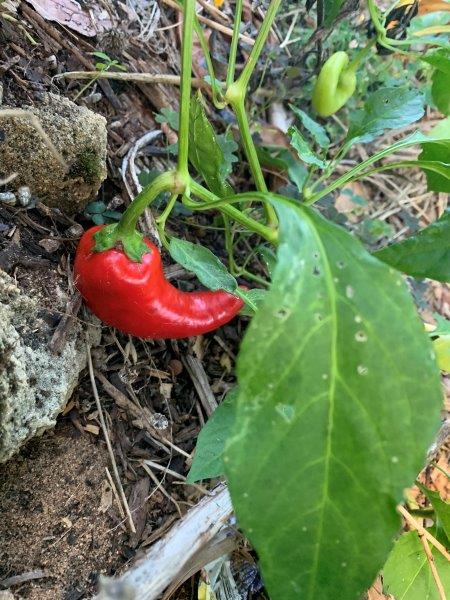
<point>387,108</point>
<point>316,130</point>
<point>407,574</point>
<point>172,117</point>
<point>304,151</point>
<point>426,254</point>
<point>100,215</point>
<point>205,151</point>
<point>208,457</point>
<point>210,271</point>
<point>441,508</point>
<point>440,90</point>
<point>332,420</point>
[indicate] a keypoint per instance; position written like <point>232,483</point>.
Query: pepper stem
<point>124,233</point>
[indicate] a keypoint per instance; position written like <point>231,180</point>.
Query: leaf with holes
<point>386,108</point>
<point>339,399</point>
<point>407,574</point>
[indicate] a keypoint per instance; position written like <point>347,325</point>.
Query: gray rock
<point>35,382</point>
<point>79,136</point>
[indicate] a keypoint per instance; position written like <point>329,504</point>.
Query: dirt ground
<point>52,517</point>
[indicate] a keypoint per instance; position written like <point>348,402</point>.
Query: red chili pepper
<point>136,298</point>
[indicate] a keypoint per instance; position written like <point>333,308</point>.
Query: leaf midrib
<point>333,376</point>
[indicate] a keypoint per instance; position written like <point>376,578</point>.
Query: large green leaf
<point>208,457</point>
<point>205,151</point>
<point>386,108</point>
<point>426,254</point>
<point>407,574</point>
<point>339,400</point>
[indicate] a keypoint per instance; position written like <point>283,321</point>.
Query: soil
<point>51,517</point>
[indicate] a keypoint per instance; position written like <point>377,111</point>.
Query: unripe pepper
<point>136,298</point>
<point>335,84</point>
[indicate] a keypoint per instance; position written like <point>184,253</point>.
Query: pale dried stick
<point>161,487</point>
<point>214,11</point>
<point>135,77</point>
<point>225,30</point>
<point>108,442</point>
<point>422,531</point>
<point>434,571</point>
<point>114,491</point>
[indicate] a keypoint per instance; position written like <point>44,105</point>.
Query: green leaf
<point>208,457</point>
<point>426,254</point>
<point>205,152</point>
<point>439,59</point>
<point>269,258</point>
<point>442,325</point>
<point>440,91</point>
<point>331,10</point>
<point>441,508</point>
<point>95,208</point>
<point>339,400</point>
<point>228,147</point>
<point>101,55</point>
<point>201,261</point>
<point>407,574</point>
<point>255,298</point>
<point>315,129</point>
<point>303,150</point>
<point>437,151</point>
<point>441,347</point>
<point>167,115</point>
<point>386,108</point>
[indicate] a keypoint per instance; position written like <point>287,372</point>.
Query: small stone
<point>8,198</point>
<point>75,231</point>
<point>50,244</point>
<point>24,195</point>
<point>159,421</point>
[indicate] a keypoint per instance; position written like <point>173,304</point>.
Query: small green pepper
<point>335,84</point>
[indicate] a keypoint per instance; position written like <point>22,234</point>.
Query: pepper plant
<point>338,390</point>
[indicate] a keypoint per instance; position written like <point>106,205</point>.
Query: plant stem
<point>261,38</point>
<point>236,93</point>
<point>186,77</point>
<point>265,232</point>
<point>234,44</point>
<point>130,217</point>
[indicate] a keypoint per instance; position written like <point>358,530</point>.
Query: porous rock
<point>79,136</point>
<point>35,382</point>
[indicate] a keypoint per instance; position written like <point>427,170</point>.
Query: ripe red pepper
<point>136,298</point>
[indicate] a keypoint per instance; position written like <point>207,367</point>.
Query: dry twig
<point>108,442</point>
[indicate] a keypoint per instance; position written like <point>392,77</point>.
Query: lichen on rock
<point>79,136</point>
<point>35,383</point>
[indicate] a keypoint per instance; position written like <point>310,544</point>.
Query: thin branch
<point>135,77</point>
<point>434,571</point>
<point>422,531</point>
<point>225,30</point>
